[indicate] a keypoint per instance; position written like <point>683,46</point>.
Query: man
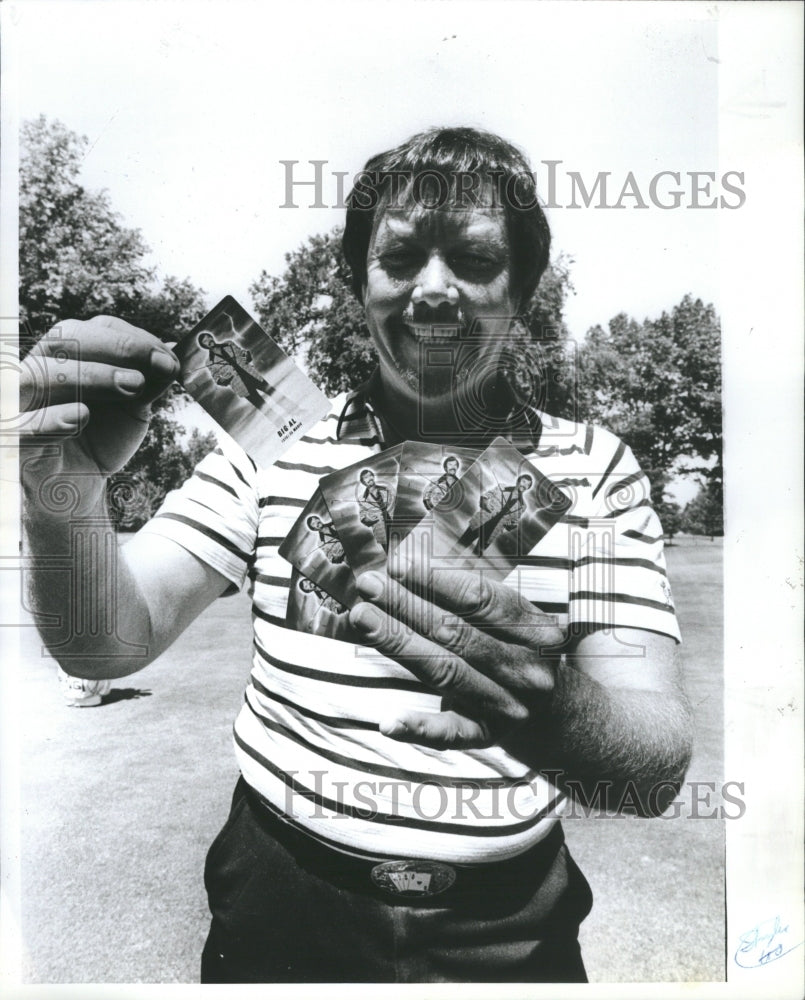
<point>330,542</point>
<point>397,815</point>
<point>231,366</point>
<point>437,491</point>
<point>373,505</point>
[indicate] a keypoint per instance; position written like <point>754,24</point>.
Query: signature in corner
<point>765,943</point>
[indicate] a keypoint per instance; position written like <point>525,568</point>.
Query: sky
<point>190,108</point>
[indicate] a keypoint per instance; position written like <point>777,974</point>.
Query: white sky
<point>189,107</point>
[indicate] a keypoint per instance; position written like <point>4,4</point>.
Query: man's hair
<point>447,158</point>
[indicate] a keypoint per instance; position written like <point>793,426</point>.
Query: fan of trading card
<point>456,507</point>
<point>247,383</point>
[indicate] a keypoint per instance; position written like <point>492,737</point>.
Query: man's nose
<point>435,284</point>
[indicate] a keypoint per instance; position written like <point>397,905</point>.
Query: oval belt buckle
<point>413,878</point>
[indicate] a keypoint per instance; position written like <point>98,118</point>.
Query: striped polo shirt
<point>307,738</point>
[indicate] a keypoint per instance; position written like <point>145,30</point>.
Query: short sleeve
<point>214,514</point>
<point>619,576</point>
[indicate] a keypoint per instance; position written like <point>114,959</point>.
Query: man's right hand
<point>88,386</point>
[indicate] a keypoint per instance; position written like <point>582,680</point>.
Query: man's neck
<point>405,417</point>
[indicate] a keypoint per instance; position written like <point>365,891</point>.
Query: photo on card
<point>314,548</point>
<point>506,506</point>
<point>311,609</point>
<point>361,501</point>
<point>247,383</point>
<point>429,476</point>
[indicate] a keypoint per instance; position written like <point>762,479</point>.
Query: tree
<point>78,259</point>
<point>670,515</point>
<point>704,514</point>
<point>311,312</point>
<point>657,384</point>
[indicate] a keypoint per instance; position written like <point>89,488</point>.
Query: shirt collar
<point>360,421</point>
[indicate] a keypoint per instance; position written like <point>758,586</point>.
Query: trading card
<point>506,506</point>
<point>429,475</point>
<point>313,546</point>
<point>311,609</point>
<point>259,395</point>
<point>361,504</point>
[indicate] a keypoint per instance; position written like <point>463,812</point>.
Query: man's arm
<point>86,390</point>
<point>619,726</point>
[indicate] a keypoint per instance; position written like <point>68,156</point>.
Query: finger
<point>440,730</point>
<point>110,340</point>
<point>491,606</point>
<point>511,665</point>
<point>432,664</point>
<point>477,648</point>
<point>49,381</point>
<point>64,420</point>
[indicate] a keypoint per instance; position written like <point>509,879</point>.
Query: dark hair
<point>445,158</point>
<point>450,458</point>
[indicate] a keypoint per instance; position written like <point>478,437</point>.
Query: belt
<point>408,880</point>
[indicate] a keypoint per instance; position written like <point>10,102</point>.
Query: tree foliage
<point>657,385</point>
<point>704,514</point>
<point>77,260</point>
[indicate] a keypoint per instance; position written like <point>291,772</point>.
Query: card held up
<point>247,383</point>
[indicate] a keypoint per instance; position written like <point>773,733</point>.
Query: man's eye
<point>399,260</point>
<point>476,263</point>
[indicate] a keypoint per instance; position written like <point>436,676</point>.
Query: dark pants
<point>288,910</point>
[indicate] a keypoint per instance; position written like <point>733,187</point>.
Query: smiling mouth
<point>435,331</point>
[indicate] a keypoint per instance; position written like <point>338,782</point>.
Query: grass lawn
<point>120,803</point>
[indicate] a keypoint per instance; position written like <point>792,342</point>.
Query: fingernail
<point>370,585</point>
<point>398,567</point>
<point>393,728</point>
<point>163,364</point>
<point>129,382</point>
<point>365,617</point>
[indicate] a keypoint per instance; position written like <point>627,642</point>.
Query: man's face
<point>451,468</point>
<point>431,269</point>
<point>368,479</point>
<point>315,523</point>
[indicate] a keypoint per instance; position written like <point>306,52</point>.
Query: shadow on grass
<point>123,694</point>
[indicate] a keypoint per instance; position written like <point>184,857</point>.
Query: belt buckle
<point>413,878</point>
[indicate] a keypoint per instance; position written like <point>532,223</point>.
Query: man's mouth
<point>435,331</point>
